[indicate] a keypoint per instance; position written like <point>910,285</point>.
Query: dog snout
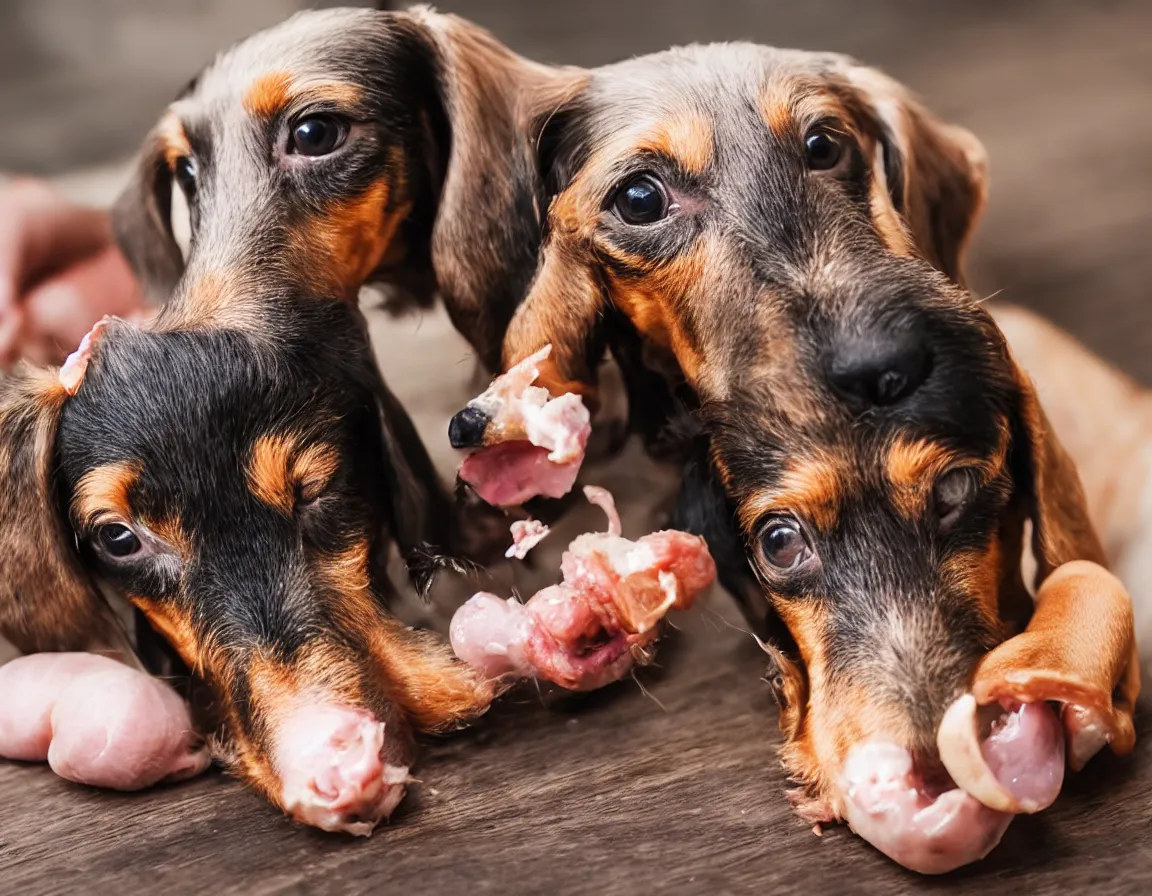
<point>880,365</point>
<point>466,429</point>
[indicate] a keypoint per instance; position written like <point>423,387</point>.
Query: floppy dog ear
<point>937,173</point>
<point>47,601</point>
<point>488,226</point>
<point>142,221</point>
<point>566,304</point>
<point>1047,476</point>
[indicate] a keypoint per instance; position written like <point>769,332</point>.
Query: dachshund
<point>236,468</point>
<point>774,241</point>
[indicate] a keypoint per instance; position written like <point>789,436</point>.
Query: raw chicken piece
<point>330,760</point>
<point>96,722</point>
<point>533,443</point>
<point>589,630</point>
<point>888,803</point>
<point>526,534</point>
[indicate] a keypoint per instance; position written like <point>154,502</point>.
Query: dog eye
<point>118,540</point>
<point>951,495</point>
<point>317,135</point>
<point>784,544</point>
<point>186,175</point>
<point>823,150</point>
<point>641,200</point>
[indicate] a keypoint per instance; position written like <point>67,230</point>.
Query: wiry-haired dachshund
<point>237,469</point>
<point>775,239</point>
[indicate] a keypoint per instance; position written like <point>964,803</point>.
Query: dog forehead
<point>149,392</point>
<point>716,78</point>
<point>314,44</point>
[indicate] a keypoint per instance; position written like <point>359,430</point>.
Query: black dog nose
<point>880,366</point>
<point>466,429</point>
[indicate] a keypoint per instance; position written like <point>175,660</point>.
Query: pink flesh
<point>76,364</point>
<point>581,634</point>
<point>96,722</point>
<point>886,804</point>
<point>329,759</point>
<point>545,460</point>
<point>1025,751</point>
<point>511,473</point>
<point>929,831</point>
<point>526,534</point>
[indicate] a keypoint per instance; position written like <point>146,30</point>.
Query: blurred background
<point>1058,91</point>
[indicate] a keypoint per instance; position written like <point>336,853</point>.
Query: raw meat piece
<point>333,775</point>
<point>589,630</point>
<point>526,534</point>
<point>887,802</point>
<point>96,721</point>
<point>533,442</point>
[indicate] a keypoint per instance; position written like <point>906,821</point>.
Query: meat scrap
<point>533,443</point>
<point>526,534</point>
<point>96,722</point>
<point>333,766</point>
<point>590,629</point>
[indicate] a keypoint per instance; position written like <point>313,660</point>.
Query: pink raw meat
<point>534,442</point>
<point>330,760</point>
<point>76,364</point>
<point>934,830</point>
<point>589,630</point>
<point>526,534</point>
<point>96,721</point>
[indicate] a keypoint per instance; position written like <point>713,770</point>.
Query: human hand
<point>60,272</point>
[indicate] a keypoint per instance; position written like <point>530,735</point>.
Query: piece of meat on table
<point>96,721</point>
<point>533,442</point>
<point>1047,698</point>
<point>590,629</point>
<point>333,769</point>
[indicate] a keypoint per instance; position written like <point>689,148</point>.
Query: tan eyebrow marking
<point>270,93</point>
<point>103,492</point>
<point>685,137</point>
<point>913,465</point>
<point>267,95</point>
<point>278,468</point>
<point>811,487</point>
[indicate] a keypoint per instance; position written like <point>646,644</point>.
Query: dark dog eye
<point>641,200</point>
<point>118,540</point>
<point>784,544</point>
<point>952,494</point>
<point>317,135</point>
<point>186,174</point>
<point>823,150</point>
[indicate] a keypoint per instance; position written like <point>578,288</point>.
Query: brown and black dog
<point>775,239</point>
<point>236,468</point>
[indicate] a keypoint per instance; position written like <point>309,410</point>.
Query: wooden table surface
<point>679,791</point>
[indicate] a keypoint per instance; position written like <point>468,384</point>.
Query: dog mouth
<point>934,820</point>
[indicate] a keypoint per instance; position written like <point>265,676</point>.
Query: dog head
<point>242,489</point>
<point>785,233</point>
<point>341,147</point>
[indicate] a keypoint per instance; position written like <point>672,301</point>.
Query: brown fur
<point>47,601</point>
